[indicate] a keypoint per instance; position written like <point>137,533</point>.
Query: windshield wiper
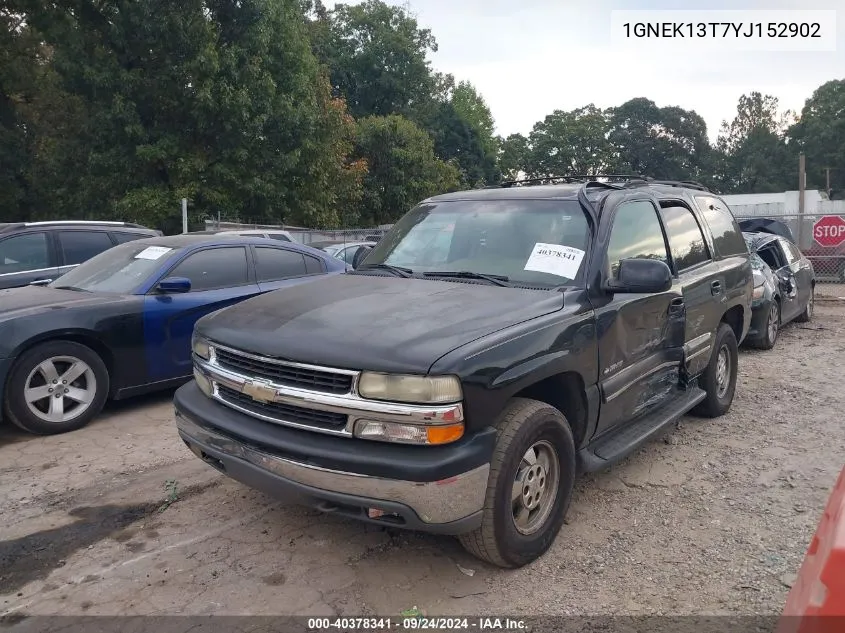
<point>396,270</point>
<point>499,280</point>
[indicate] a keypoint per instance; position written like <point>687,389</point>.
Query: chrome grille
<point>283,412</point>
<point>282,374</point>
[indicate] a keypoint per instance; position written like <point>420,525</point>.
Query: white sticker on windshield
<point>563,261</point>
<point>153,252</point>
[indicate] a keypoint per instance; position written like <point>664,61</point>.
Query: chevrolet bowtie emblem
<point>259,391</point>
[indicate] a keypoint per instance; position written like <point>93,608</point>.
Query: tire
<point>34,371</point>
<point>525,425</point>
<point>720,393</point>
<point>770,333</point>
<point>807,314</point>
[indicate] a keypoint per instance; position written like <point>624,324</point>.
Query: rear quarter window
<point>727,238</point>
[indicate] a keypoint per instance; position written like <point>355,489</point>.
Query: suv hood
<point>378,323</point>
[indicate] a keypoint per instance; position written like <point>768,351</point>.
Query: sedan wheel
<point>60,389</point>
<point>56,387</point>
<point>772,325</point>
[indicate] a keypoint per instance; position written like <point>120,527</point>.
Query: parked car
<point>120,324</point>
<point>39,252</point>
<point>272,234</point>
<point>784,287</point>
<point>557,333</point>
<point>344,250</point>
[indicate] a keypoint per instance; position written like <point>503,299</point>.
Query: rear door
<point>276,267</point>
<point>220,276</point>
<point>802,273</point>
<point>702,282</point>
<point>640,335</point>
<point>26,258</point>
<point>77,246</point>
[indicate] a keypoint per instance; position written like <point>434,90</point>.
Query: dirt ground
<point>119,518</point>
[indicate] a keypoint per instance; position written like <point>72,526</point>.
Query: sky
<point>531,57</point>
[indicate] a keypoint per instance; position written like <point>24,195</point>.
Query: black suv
<point>38,252</point>
<point>494,344</point>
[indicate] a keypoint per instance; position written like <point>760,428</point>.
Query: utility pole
<point>827,178</point>
<point>184,215</point>
<point>802,184</point>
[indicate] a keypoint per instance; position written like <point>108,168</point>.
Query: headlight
<point>408,433</point>
<point>758,293</point>
<point>200,347</point>
<point>419,389</point>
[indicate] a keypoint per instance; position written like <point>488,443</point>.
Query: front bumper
<point>433,489</point>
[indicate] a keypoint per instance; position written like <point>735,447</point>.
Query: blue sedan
<point>120,324</point>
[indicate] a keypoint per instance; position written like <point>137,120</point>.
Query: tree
<point>820,133</point>
<point>222,103</point>
<point>401,168</point>
<point>753,151</point>
<point>472,108</point>
<point>667,142</point>
<point>570,143</point>
<point>513,155</point>
<point>377,58</point>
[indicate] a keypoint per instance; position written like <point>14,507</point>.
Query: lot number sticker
<point>554,259</point>
<point>153,252</point>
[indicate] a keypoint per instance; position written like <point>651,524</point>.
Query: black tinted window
<point>24,252</point>
<point>313,266</point>
<point>214,268</point>
<point>280,237</point>
<point>122,238</point>
<point>685,237</point>
<point>78,246</point>
<point>727,238</point>
<point>277,263</point>
<point>636,234</point>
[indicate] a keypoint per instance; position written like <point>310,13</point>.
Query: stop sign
<point>829,231</point>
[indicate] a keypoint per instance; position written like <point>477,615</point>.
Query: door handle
<point>716,287</point>
<point>40,282</point>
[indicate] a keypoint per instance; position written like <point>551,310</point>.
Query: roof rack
<point>573,178</point>
<point>88,222</point>
<point>687,184</point>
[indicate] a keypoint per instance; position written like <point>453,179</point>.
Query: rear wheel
<point>56,387</point>
<point>719,378</point>
<point>807,314</point>
<point>530,485</point>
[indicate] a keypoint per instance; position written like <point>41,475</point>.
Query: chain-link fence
<point>820,236</point>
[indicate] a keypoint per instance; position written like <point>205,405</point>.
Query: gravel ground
<point>712,519</point>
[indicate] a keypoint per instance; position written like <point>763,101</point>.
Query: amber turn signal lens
<point>444,434</point>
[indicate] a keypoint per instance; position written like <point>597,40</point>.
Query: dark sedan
<point>120,324</point>
<point>784,287</point>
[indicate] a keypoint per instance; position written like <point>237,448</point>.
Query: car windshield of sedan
<point>531,242</point>
<point>120,269</point>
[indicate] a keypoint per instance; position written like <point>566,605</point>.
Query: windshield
<point>120,269</point>
<point>534,242</point>
<point>757,262</point>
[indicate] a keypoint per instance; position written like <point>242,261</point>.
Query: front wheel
<point>56,387</point>
<point>719,378</point>
<point>770,334</point>
<point>530,485</point>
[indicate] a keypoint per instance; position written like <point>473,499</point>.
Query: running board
<point>612,448</point>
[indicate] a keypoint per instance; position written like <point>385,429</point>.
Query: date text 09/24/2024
<point>416,623</point>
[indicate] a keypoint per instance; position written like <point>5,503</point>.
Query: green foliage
<point>820,133</point>
<point>401,168</point>
<point>573,142</point>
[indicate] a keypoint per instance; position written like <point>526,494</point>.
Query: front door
<point>220,277</point>
<point>640,335</point>
<point>703,284</point>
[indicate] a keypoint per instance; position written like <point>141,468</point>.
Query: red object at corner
<point>816,603</point>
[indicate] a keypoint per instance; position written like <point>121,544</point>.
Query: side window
<point>122,238</point>
<point>272,264</point>
<point>792,253</point>
<point>636,234</point>
<point>78,246</point>
<point>313,266</point>
<point>348,254</point>
<point>214,268</point>
<point>727,238</point>
<point>685,237</point>
<point>20,253</point>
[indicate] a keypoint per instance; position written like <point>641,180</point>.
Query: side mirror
<point>360,255</point>
<point>647,276</point>
<point>174,285</point>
